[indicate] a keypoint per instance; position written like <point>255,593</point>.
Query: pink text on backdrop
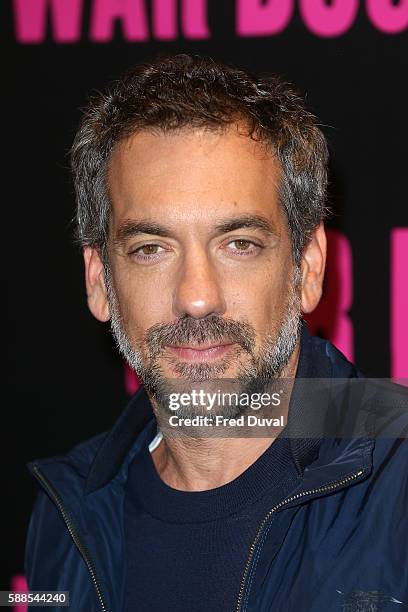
<point>66,20</point>
<point>30,18</point>
<point>387,16</point>
<point>399,303</point>
<point>260,18</point>
<point>329,20</point>
<point>253,18</point>
<point>256,18</point>
<point>133,16</point>
<point>131,380</point>
<point>331,318</point>
<point>19,585</point>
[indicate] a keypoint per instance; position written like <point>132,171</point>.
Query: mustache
<point>186,330</point>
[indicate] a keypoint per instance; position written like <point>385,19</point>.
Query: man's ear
<point>313,266</point>
<point>95,284</point>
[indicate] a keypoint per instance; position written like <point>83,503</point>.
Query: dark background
<point>64,381</point>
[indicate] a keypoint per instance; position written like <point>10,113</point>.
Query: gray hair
<point>185,91</point>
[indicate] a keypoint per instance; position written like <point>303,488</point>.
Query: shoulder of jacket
<point>79,457</point>
<point>389,402</point>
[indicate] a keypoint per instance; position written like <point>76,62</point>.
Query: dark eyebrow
<point>129,229</point>
<point>250,221</point>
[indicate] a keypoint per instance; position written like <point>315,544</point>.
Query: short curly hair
<point>183,91</point>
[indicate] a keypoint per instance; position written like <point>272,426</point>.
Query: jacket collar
<point>317,359</point>
<point>119,441</point>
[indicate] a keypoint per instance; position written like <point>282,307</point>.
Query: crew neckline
<point>274,468</point>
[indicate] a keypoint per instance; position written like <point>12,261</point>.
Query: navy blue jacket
<point>339,541</point>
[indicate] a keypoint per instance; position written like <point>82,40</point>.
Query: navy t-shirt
<point>186,551</point>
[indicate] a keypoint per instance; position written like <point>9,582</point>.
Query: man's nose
<point>198,292</point>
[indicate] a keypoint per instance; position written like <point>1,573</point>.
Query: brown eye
<point>241,245</point>
<point>148,249</point>
<point>147,252</point>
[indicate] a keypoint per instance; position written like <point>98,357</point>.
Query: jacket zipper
<point>74,534</point>
<point>285,502</point>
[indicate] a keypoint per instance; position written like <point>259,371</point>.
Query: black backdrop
<point>64,381</point>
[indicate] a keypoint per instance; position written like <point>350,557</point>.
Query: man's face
<point>200,283</point>
<point>200,254</point>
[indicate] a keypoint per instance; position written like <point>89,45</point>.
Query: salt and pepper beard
<point>254,377</point>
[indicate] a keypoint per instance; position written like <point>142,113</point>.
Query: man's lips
<point>200,352</point>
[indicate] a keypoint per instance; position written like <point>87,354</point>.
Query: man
<point>201,200</point>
